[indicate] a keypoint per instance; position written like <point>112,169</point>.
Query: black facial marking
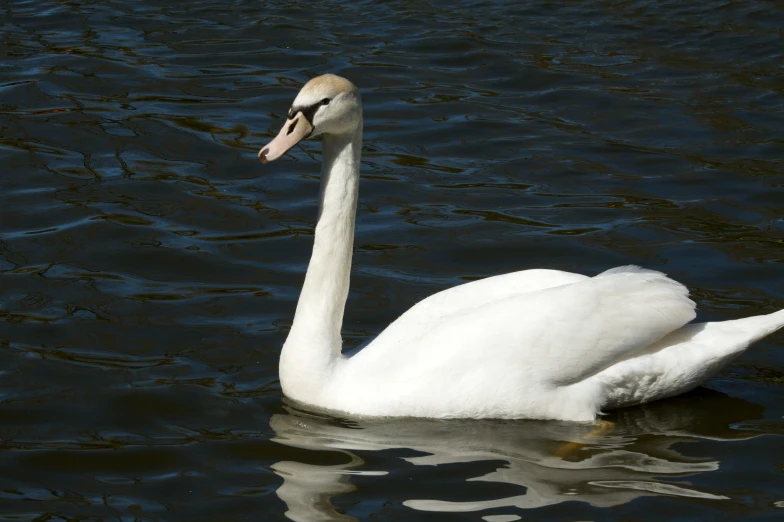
<point>291,127</point>
<point>310,111</point>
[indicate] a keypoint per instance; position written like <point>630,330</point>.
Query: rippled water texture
<point>149,266</point>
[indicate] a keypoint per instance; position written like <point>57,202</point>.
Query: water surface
<point>149,266</point>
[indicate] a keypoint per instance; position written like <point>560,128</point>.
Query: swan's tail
<point>684,359</point>
<point>751,329</point>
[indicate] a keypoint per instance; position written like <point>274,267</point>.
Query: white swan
<point>532,344</point>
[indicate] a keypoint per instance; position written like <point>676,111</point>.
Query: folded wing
<point>554,337</point>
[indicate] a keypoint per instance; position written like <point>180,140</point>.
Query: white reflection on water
<point>554,462</point>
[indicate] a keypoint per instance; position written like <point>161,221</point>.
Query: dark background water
<point>149,266</point>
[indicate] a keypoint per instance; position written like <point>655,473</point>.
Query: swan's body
<point>533,344</point>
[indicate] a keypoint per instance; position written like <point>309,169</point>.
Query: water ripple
<point>149,267</point>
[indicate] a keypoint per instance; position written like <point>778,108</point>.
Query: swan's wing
<point>555,336</point>
<point>468,296</point>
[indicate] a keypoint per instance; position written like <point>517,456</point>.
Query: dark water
<point>149,266</point>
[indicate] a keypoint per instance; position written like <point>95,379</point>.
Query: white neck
<point>313,346</point>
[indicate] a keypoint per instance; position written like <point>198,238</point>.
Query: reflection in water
<point>307,488</point>
<point>554,462</point>
<point>149,271</point>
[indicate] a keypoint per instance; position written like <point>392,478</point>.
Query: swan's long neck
<point>313,346</point>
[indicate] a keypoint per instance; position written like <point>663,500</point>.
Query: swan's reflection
<point>554,462</point>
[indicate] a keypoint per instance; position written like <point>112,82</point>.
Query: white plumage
<point>533,344</point>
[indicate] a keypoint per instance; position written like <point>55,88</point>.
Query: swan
<point>543,344</point>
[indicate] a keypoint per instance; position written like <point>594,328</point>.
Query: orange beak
<point>294,130</point>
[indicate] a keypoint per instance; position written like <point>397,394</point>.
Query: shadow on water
<point>637,453</point>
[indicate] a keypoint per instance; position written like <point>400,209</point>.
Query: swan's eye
<point>291,113</point>
<point>325,101</point>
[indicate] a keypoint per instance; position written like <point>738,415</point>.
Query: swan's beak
<point>295,130</point>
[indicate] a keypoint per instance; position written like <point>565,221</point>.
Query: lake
<point>150,266</point>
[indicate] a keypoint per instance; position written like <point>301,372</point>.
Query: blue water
<point>149,266</point>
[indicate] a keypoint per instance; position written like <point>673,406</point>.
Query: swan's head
<point>327,104</point>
